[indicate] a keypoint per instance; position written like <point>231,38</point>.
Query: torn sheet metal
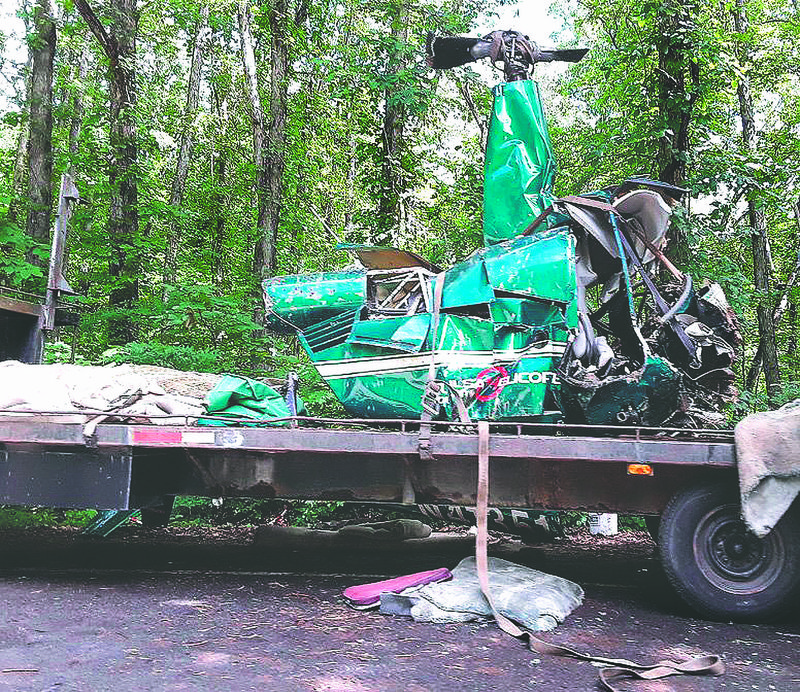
<point>505,319</point>
<point>377,257</point>
<point>304,300</point>
<point>540,266</point>
<point>561,319</point>
<point>519,167</point>
<point>648,393</point>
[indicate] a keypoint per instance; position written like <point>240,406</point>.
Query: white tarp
<point>768,457</point>
<point>89,391</point>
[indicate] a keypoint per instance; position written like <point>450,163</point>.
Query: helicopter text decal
<point>490,382</point>
<point>509,520</point>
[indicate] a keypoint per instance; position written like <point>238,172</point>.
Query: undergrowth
<point>32,517</point>
<point>202,511</point>
<point>199,512</point>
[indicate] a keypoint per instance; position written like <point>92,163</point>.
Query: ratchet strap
<point>618,668</point>
<point>434,387</point>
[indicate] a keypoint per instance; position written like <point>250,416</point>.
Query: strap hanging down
<point>619,668</point>
<point>434,387</point>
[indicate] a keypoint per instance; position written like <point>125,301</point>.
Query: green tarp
<point>238,397</point>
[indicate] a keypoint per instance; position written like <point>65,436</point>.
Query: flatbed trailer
<point>688,478</point>
<point>532,465</point>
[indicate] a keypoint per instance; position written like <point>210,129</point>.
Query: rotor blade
<point>559,54</point>
<point>450,51</point>
<point>445,52</point>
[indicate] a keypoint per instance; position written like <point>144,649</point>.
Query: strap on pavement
<point>618,668</point>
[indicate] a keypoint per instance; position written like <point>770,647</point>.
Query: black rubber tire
<point>721,569</point>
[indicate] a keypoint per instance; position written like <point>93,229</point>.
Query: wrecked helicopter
<point>557,318</point>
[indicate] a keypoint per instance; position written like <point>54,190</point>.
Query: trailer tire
<point>719,567</point>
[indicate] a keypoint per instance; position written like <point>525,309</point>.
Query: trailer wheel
<point>719,567</point>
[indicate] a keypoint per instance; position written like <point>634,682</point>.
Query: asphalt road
<point>139,613</point>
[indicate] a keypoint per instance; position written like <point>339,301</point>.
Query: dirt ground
<point>188,610</point>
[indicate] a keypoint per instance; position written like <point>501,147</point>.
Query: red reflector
<point>640,470</point>
<point>156,434</point>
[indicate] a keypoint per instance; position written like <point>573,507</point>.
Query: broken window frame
<point>411,284</point>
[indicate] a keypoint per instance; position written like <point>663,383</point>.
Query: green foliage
<point>33,517</point>
<point>16,246</point>
<point>202,511</point>
<point>312,513</point>
<point>751,402</point>
<point>195,313</point>
<point>165,356</point>
<point>574,520</point>
<point>61,352</point>
<point>631,522</point>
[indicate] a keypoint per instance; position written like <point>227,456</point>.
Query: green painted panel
<point>466,284</point>
<point>300,301</point>
<point>465,334</point>
<point>525,312</point>
<point>542,266</point>
<point>396,333</point>
<point>393,395</point>
<point>520,166</point>
<point>523,397</point>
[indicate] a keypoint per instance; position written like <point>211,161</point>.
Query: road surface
<point>141,613</point>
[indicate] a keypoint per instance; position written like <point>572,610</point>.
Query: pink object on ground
<point>369,594</point>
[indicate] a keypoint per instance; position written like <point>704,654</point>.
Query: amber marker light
<point>640,470</point>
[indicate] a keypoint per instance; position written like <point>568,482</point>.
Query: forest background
<point>216,143</point>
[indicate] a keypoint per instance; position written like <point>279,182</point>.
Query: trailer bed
<point>50,459</point>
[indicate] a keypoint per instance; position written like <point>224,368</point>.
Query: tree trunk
<point>185,150</point>
<point>76,121</point>
<point>20,172</point>
<point>269,134</point>
<point>783,304</point>
<point>17,205</point>
<point>759,242</point>
<point>390,209</point>
<point>271,177</point>
<point>123,220</point>
<point>40,142</point>
<point>677,63</point>
<point>264,249</point>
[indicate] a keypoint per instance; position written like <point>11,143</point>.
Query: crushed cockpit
<point>558,318</point>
